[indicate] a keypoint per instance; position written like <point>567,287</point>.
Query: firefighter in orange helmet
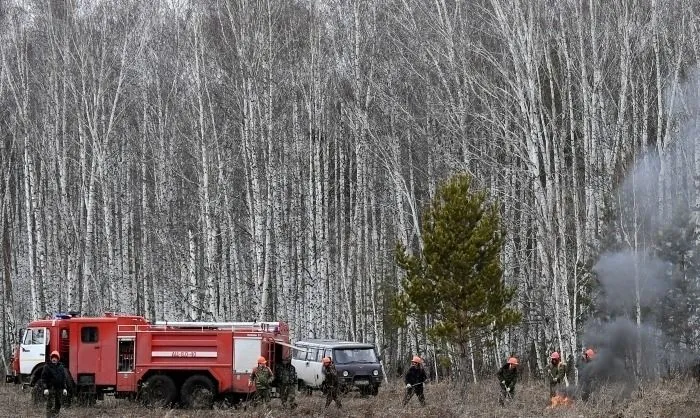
<point>331,382</point>
<point>54,377</point>
<point>508,376</point>
<point>556,373</point>
<point>262,377</point>
<point>586,373</point>
<point>415,380</point>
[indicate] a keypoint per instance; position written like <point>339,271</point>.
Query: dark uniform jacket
<point>54,376</point>
<point>508,375</point>
<point>331,375</point>
<point>415,375</point>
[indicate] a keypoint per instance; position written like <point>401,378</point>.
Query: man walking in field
<point>54,376</point>
<point>262,377</point>
<point>556,373</point>
<point>508,376</point>
<point>331,382</point>
<point>415,380</point>
<point>287,379</point>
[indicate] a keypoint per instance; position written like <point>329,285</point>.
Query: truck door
<point>89,350</point>
<point>33,349</point>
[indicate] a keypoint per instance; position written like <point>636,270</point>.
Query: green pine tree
<point>457,280</point>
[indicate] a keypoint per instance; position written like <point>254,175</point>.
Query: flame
<point>560,400</point>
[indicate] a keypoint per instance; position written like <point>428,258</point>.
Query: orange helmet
<point>417,359</point>
<point>55,354</point>
<point>555,356</point>
<point>261,360</point>
<point>513,361</point>
<point>326,360</point>
<point>590,353</point>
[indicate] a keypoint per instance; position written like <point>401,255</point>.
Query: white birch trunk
<point>208,228</point>
<point>193,286</point>
<point>29,221</point>
<point>112,300</point>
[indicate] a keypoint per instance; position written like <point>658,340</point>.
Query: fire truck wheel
<point>158,391</point>
<point>197,392</point>
<point>67,400</point>
<point>38,396</point>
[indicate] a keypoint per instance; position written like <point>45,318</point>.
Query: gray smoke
<point>635,284</point>
<point>628,278</point>
<point>624,350</point>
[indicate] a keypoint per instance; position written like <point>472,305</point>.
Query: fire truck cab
<point>164,363</point>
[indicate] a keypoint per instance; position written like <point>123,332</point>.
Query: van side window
<point>311,354</point>
<point>88,334</point>
<point>319,356</point>
<point>300,354</point>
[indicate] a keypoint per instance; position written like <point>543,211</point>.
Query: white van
<point>358,365</point>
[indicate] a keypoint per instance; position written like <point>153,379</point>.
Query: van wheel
<point>197,392</point>
<point>375,390</point>
<point>158,391</point>
<point>303,388</point>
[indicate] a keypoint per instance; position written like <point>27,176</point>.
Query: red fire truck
<point>161,363</point>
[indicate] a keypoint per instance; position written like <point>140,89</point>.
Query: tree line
<point>261,159</point>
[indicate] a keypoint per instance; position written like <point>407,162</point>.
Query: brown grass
<point>663,399</point>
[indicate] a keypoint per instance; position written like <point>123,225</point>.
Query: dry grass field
<point>663,399</point>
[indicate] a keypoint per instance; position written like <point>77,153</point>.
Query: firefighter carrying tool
<point>187,363</point>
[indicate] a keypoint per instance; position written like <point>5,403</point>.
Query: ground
<point>664,399</point>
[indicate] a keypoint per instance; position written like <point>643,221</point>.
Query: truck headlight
<point>345,373</point>
<point>376,372</point>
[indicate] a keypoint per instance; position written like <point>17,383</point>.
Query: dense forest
<point>262,160</point>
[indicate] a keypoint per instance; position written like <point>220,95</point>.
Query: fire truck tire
<point>38,396</point>
<point>67,400</point>
<point>197,392</point>
<point>86,399</point>
<point>159,391</point>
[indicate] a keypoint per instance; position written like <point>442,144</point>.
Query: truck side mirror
<point>20,334</point>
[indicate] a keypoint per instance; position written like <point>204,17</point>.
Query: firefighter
<point>287,380</point>
<point>262,377</point>
<point>508,376</point>
<point>556,372</point>
<point>331,382</point>
<point>585,373</point>
<point>54,376</point>
<point>415,380</point>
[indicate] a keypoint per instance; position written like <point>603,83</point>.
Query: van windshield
<point>354,355</point>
